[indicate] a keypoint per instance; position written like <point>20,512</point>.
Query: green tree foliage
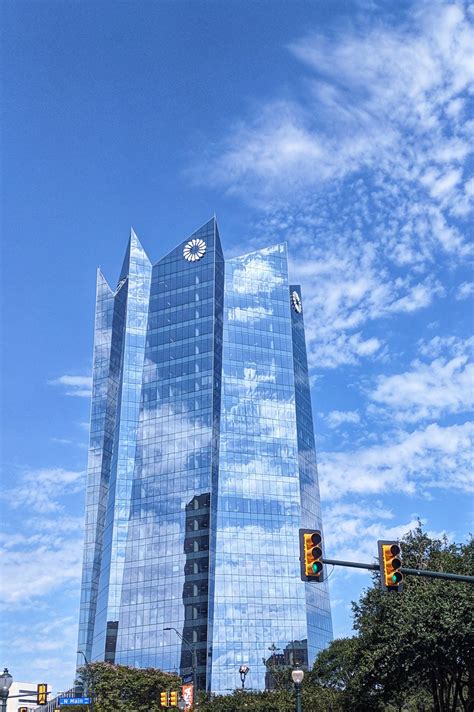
<point>335,666</point>
<point>413,650</point>
<point>314,699</point>
<point>119,688</point>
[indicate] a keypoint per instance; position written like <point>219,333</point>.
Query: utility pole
<point>192,648</point>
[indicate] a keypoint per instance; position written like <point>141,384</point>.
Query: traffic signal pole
<point>405,571</point>
<point>438,575</point>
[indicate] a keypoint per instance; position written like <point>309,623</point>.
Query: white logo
<point>296,302</point>
<point>194,250</point>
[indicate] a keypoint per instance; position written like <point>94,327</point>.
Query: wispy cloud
<point>411,462</point>
<point>445,346</point>
<point>344,522</point>
<point>335,418</point>
<point>465,290</point>
<point>429,390</point>
<point>352,531</point>
<point>42,490</point>
<point>52,563</point>
<point>365,171</point>
<point>76,385</point>
<point>47,549</point>
<point>43,558</point>
<point>366,93</point>
<point>346,289</point>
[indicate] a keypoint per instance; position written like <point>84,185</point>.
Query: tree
<point>119,688</point>
<point>335,665</point>
<point>412,646</point>
<point>315,699</point>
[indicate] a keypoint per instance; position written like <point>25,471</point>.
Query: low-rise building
<point>14,703</point>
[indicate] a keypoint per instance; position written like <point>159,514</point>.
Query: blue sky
<point>344,128</point>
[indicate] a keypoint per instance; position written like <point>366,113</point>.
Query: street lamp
<point>89,679</point>
<point>297,676</point>
<point>192,648</point>
<point>5,684</point>
<point>243,670</point>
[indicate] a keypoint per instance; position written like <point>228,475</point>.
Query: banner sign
<point>187,695</point>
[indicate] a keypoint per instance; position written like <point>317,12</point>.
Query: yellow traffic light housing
<point>164,699</point>
<point>390,563</point>
<point>311,555</point>
<point>173,699</point>
<point>41,694</point>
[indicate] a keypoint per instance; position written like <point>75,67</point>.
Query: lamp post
<point>243,670</point>
<point>5,684</point>
<point>297,676</point>
<point>192,648</point>
<point>90,689</point>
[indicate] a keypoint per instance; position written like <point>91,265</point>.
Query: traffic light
<point>173,699</point>
<point>22,709</point>
<point>41,693</point>
<point>311,555</point>
<point>164,699</point>
<point>390,561</point>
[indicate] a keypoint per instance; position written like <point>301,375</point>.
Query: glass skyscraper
<point>202,468</point>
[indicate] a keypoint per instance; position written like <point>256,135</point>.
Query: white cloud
<point>433,457</point>
<point>39,565</point>
<point>421,295</point>
<point>41,490</point>
<point>44,555</point>
<point>364,172</point>
<point>371,90</point>
<point>465,290</point>
<point>441,184</point>
<point>335,418</point>
<point>345,289</point>
<point>78,385</point>
<point>344,522</point>
<point>428,390</point>
<point>447,346</point>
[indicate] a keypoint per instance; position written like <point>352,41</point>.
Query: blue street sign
<point>74,701</point>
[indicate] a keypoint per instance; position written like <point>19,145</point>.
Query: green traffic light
<point>394,578</point>
<point>317,567</point>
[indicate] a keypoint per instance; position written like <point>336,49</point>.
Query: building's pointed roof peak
<point>210,226</point>
<point>102,281</point>
<point>134,237</point>
<point>135,240</point>
<point>212,220</point>
<point>134,246</point>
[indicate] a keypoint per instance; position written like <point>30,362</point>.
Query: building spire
<point>134,250</point>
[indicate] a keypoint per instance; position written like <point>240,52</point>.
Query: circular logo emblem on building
<point>296,302</point>
<point>194,250</point>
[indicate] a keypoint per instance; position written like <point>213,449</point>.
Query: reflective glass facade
<point>202,469</point>
<point>119,344</point>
